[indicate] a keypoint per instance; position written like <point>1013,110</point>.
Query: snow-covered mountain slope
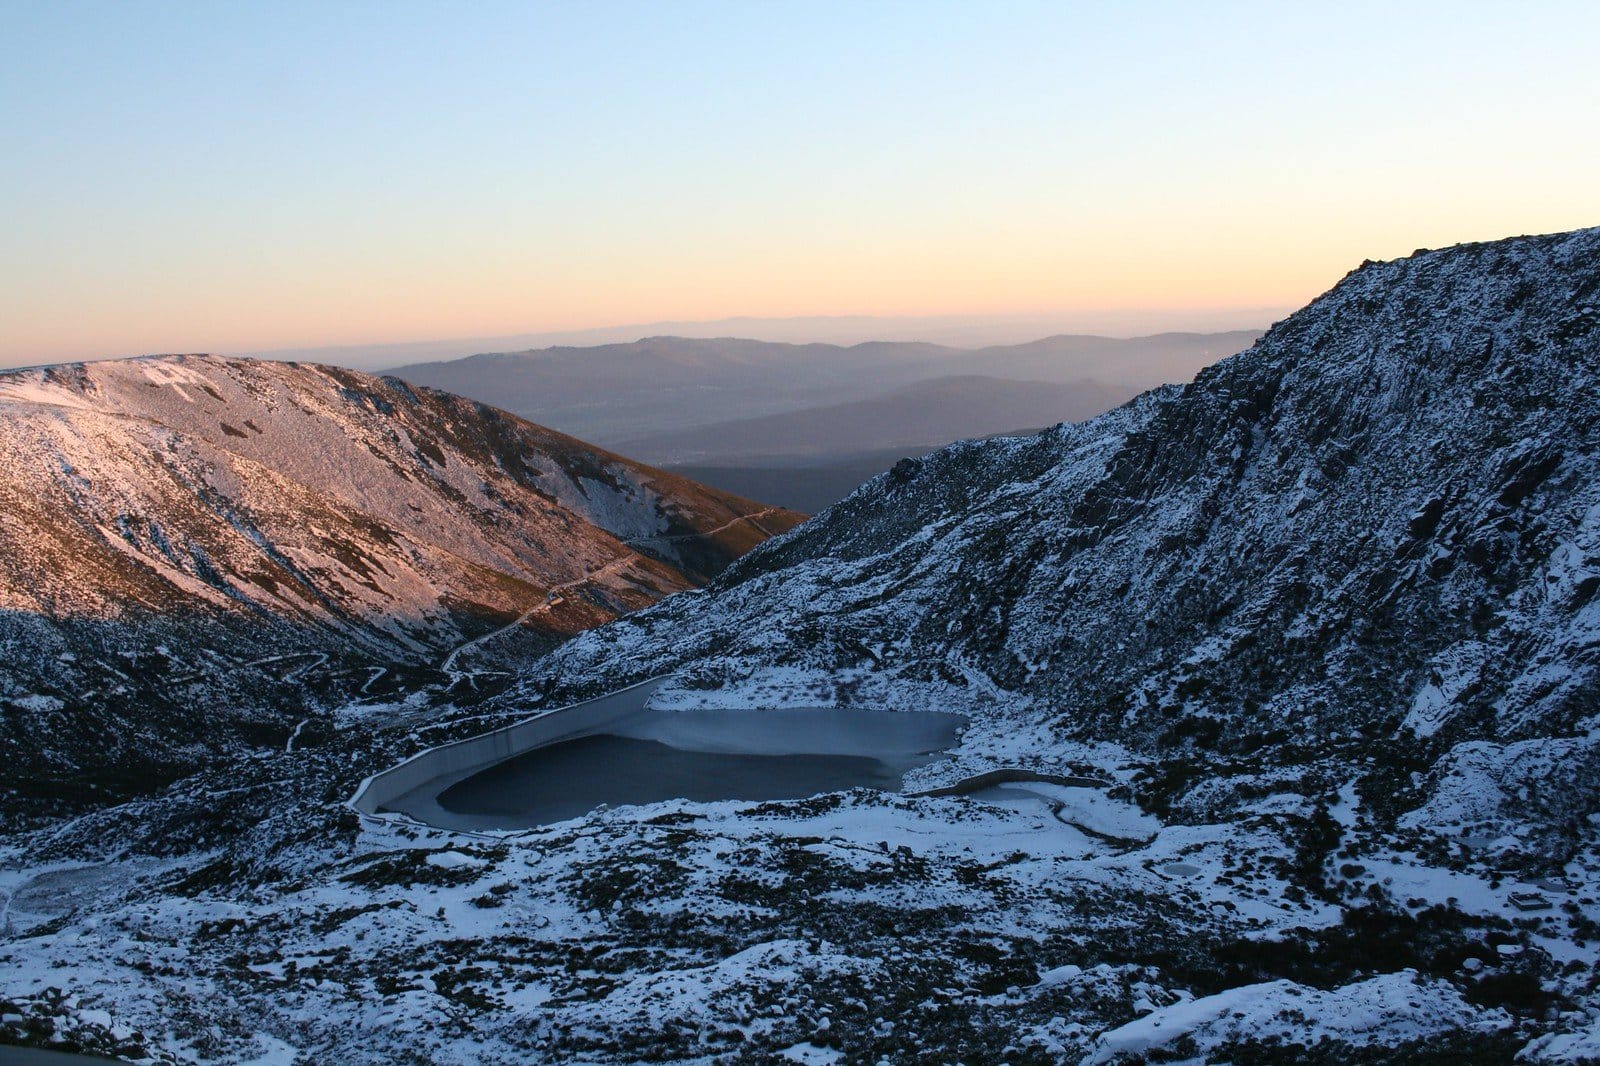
<point>189,530</point>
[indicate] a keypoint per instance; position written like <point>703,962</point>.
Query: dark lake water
<point>574,777</point>
<point>702,755</point>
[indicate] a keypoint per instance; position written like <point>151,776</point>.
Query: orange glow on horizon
<point>389,301</point>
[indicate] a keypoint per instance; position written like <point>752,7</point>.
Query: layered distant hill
<point>956,331</point>
<point>616,392</point>
<point>806,423</point>
<point>187,541</point>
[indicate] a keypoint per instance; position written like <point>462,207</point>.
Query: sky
<point>243,176</point>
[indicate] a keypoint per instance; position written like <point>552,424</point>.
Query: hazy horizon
<point>955,331</point>
<point>254,178</point>
<point>951,331</point>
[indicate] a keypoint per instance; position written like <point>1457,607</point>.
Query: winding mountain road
<point>550,599</point>
<point>554,594</point>
<point>753,518</point>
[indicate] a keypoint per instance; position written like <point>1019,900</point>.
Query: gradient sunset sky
<point>226,177</point>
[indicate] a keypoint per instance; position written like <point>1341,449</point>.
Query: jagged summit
<point>169,519</point>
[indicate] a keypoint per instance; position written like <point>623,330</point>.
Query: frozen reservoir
<point>618,751</point>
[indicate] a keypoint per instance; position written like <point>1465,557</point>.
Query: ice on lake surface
<point>701,755</point>
<point>572,778</point>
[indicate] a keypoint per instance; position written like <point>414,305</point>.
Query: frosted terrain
<point>1314,642</point>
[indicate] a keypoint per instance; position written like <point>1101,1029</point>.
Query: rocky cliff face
<point>187,542</point>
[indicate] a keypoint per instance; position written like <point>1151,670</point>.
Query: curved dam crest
<point>617,750</point>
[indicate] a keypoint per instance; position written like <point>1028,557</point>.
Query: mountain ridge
<point>240,511</point>
<point>615,392</point>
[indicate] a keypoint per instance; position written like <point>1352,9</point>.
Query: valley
<point>803,425</point>
<point>1279,742</point>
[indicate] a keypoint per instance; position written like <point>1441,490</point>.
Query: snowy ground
<point>1029,922</point>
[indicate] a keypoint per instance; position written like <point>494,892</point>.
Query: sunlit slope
<point>165,522</point>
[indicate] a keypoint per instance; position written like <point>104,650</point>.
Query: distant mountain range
<point>957,330</point>
<point>188,542</point>
<point>705,403</point>
<point>615,392</point>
